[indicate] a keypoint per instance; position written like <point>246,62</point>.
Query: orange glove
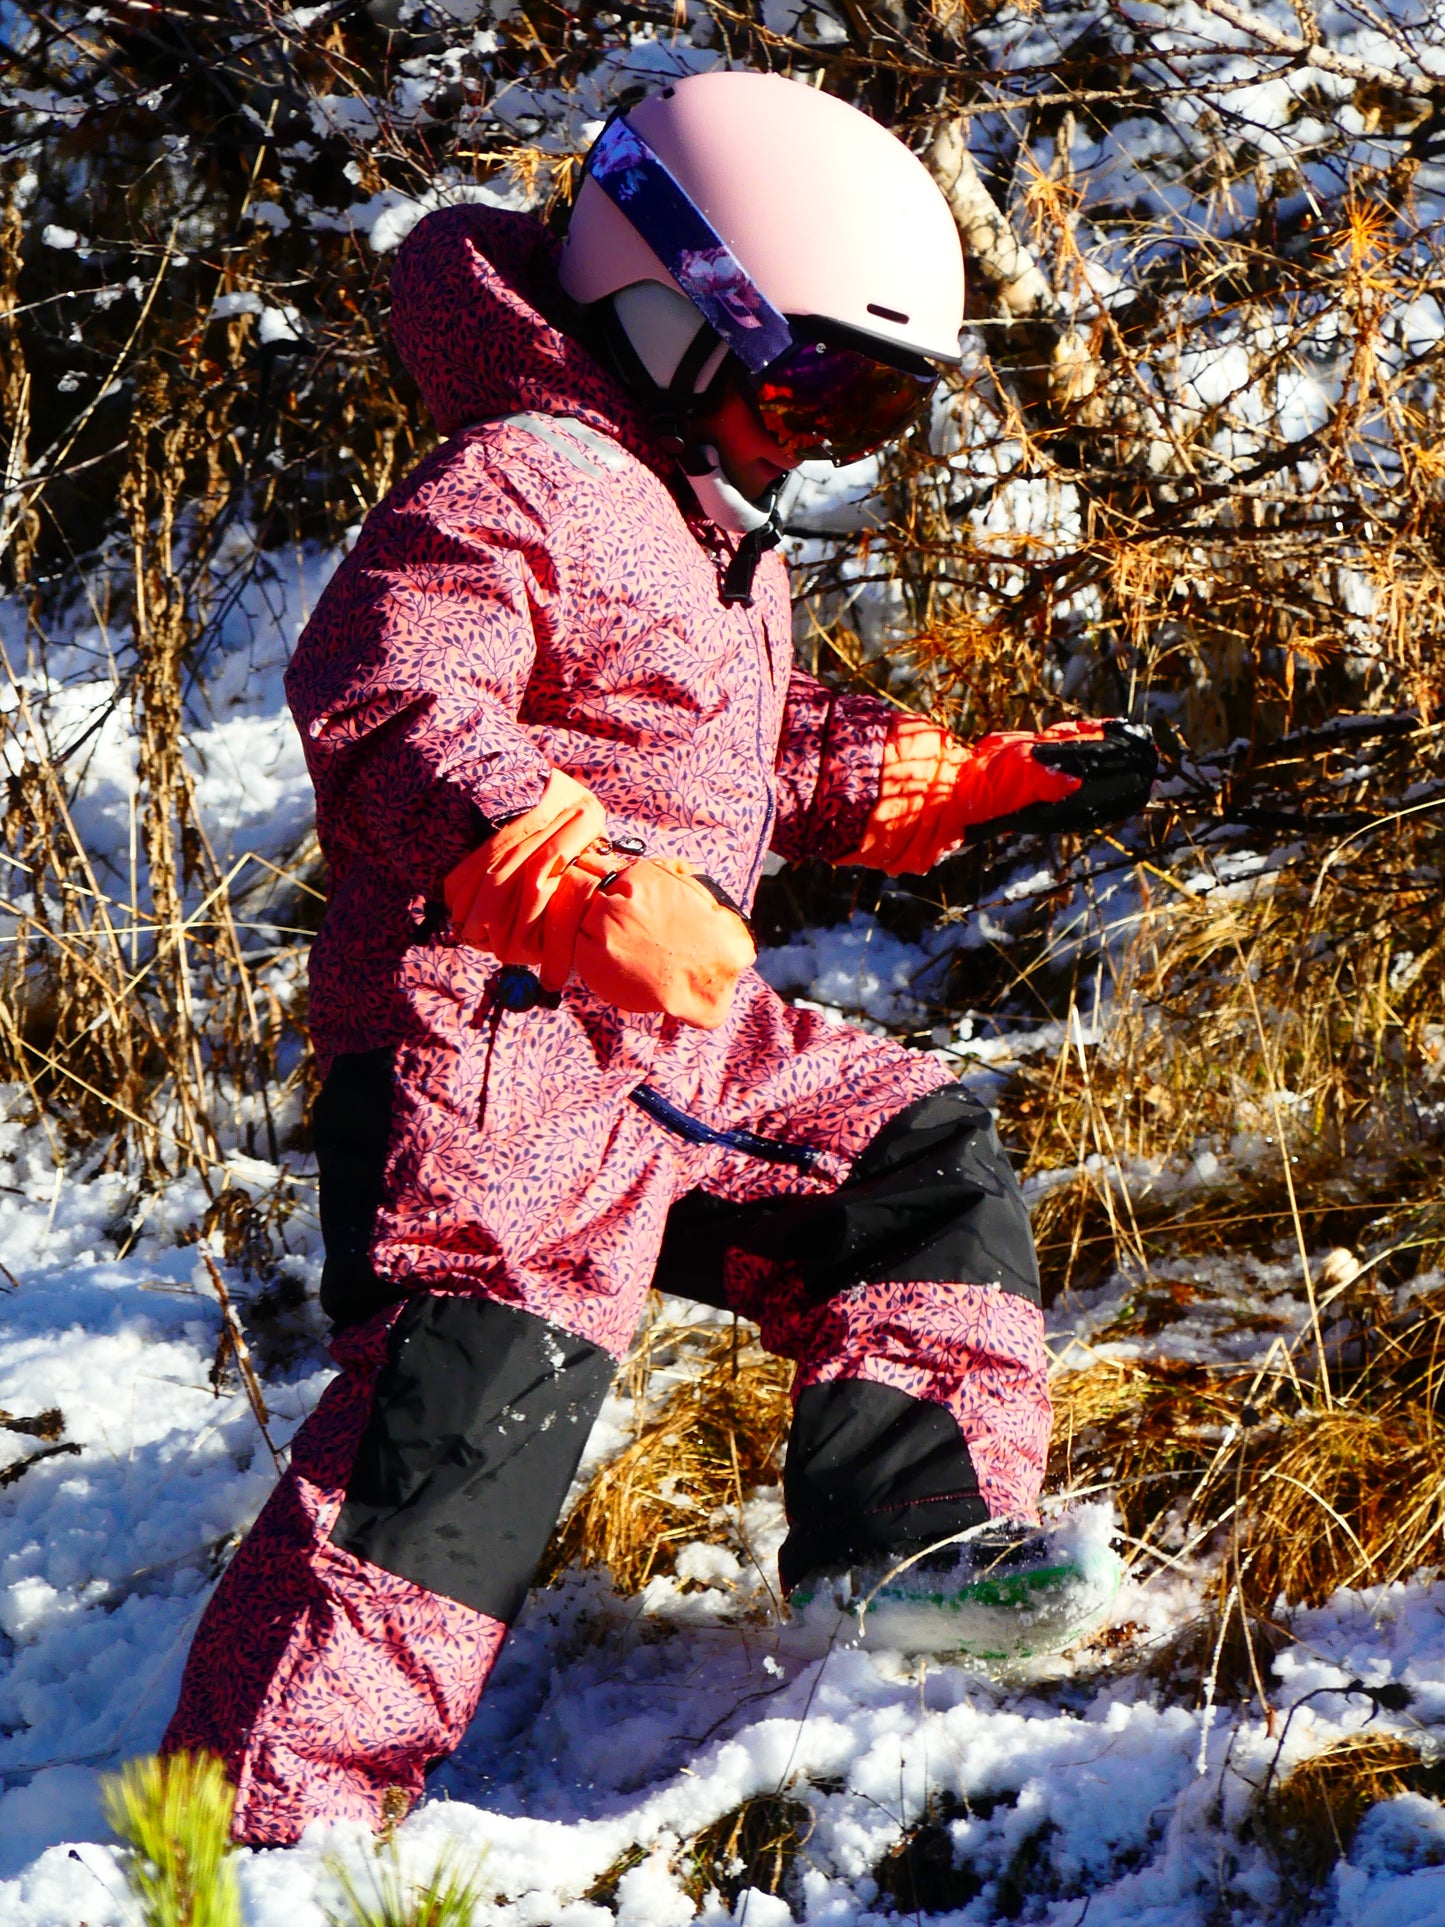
<point>644,934</point>
<point>934,791</point>
<point>646,937</point>
<point>498,895</point>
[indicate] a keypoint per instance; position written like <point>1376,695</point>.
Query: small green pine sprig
<point>386,1897</point>
<point>174,1816</point>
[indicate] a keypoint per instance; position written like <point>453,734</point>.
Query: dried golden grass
<point>1295,1496</point>
<point>1293,1023</point>
<point>1308,1820</point>
<point>754,1845</point>
<point>1343,1498</point>
<point>717,1435</point>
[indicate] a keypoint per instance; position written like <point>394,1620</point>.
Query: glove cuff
<point>497,896</point>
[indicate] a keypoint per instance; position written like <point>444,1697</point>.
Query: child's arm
<point>935,794</point>
<point>406,689</point>
<point>862,782</point>
<point>829,764</point>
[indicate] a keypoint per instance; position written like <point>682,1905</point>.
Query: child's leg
<point>347,1643</point>
<point>908,1295</point>
<point>349,1639</point>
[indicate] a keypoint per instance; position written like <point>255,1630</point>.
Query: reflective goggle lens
<point>836,400</point>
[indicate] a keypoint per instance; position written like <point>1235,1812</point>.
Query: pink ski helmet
<point>811,242</point>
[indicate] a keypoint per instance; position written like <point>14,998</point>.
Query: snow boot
<point>1003,1592</point>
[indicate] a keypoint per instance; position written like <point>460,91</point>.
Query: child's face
<point>750,458</point>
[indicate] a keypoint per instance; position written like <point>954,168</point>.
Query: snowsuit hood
<point>485,331</point>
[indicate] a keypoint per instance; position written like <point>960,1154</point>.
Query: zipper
<point>772,1150</point>
<point>767,764</point>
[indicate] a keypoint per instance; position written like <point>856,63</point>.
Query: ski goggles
<point>826,397</point>
<point>817,390</point>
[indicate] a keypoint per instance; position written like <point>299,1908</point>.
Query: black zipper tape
<point>801,1156</point>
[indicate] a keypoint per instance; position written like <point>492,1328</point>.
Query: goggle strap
<point>683,387</point>
<point>688,245</point>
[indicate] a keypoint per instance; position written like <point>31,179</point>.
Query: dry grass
<point>1228,998</point>
<point>1292,1496</point>
<point>1345,1498</point>
<point>755,1845</point>
<point>919,1875</point>
<point>685,1474</point>
<point>1308,1820</point>
<point>1290,1023</point>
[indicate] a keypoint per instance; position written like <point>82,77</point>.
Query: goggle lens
<point>837,401</point>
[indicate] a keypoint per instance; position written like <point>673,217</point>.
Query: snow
<point>616,1723</point>
<point>107,1552</point>
<point>387,217</point>
<point>859,968</point>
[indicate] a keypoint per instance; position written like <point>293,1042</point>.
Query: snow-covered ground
<point>1088,1793</point>
<point>615,1729</point>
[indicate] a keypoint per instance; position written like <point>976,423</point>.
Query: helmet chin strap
<point>674,403</point>
<point>674,363</point>
<point>758,525</point>
<point>723,505</point>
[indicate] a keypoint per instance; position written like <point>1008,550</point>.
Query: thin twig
<point>241,1352</point>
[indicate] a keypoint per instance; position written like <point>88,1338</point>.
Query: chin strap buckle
<point>737,582</point>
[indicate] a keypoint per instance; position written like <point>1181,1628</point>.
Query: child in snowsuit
<point>553,722</point>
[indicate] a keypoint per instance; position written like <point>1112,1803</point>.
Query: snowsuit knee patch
<point>933,1197</point>
<point>478,1421</point>
<point>872,1473</point>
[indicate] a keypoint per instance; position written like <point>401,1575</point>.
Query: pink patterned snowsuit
<point>503,1181</point>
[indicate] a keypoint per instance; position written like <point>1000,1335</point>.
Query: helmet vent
<point>887,314</point>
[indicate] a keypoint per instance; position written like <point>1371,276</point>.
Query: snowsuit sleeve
<point>407,684</point>
<point>830,760</point>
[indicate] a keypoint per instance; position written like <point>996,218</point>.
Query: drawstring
<point>803,1157</point>
<point>494,1018</point>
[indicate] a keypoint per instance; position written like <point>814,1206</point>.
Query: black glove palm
<point>1116,771</point>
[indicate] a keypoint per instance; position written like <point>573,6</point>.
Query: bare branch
<point>1314,53</point>
<point>1016,281</point>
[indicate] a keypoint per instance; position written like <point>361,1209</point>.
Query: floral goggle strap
<point>688,246</point>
